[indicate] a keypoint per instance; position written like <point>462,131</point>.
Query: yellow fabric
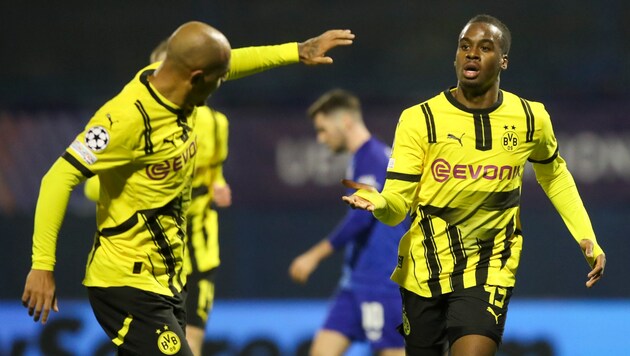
<point>459,173</point>
<point>145,169</point>
<point>558,184</point>
<point>54,195</point>
<point>212,134</point>
<point>251,60</point>
<point>91,188</point>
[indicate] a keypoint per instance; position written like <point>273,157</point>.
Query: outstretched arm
<point>251,60</point>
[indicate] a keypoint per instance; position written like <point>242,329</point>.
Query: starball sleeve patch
<point>97,138</point>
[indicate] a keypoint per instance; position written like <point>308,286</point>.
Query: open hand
<point>313,51</point>
<point>355,201</point>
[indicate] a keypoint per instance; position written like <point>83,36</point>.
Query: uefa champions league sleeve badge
<point>97,138</point>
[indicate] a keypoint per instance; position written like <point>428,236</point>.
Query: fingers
<point>313,51</point>
<point>356,185</point>
<point>598,271</point>
<point>594,278</point>
<point>39,295</point>
<point>358,203</point>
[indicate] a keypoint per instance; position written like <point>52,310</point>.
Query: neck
<point>477,98</point>
<point>357,138</point>
<point>167,83</point>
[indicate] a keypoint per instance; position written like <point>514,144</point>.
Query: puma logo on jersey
<point>496,317</point>
<point>111,121</point>
<point>458,139</point>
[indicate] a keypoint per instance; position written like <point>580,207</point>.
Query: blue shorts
<point>369,318</point>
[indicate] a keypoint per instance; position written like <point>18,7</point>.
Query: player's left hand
<point>313,51</point>
<point>599,263</point>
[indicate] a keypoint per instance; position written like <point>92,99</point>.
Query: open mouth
<point>471,70</point>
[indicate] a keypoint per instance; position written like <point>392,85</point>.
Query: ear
<point>196,77</point>
<point>504,62</point>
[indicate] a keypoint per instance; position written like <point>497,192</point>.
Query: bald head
<point>198,46</point>
<point>197,61</point>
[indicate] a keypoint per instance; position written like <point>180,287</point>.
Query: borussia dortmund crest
<point>406,325</point>
<point>168,342</point>
<point>510,140</point>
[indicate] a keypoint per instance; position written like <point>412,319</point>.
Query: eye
<point>464,47</point>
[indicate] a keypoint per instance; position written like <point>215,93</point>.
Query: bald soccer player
<point>141,144</point>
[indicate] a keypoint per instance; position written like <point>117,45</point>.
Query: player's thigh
<point>480,310</point>
<point>140,322</point>
<point>329,343</point>
<point>200,297</point>
<point>424,324</point>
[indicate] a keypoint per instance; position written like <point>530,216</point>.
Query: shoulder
<point>535,108</point>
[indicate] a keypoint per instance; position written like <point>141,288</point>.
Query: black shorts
<point>434,323</point>
<point>140,322</point>
<point>200,297</point>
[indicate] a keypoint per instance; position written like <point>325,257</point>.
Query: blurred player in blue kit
<point>366,306</point>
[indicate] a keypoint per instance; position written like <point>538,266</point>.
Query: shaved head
<point>198,46</point>
<point>197,61</point>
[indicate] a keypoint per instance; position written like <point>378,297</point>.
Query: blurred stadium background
<point>60,61</point>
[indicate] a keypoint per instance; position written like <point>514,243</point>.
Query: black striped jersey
<point>212,130</point>
<point>143,149</point>
<point>458,172</point>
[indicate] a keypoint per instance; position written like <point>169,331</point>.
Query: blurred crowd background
<point>61,60</point>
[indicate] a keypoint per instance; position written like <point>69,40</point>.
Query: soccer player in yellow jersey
<point>142,145</point>
<point>456,167</point>
<point>201,256</point>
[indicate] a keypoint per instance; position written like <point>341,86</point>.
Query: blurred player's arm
<point>222,194</point>
<point>251,60</point>
<point>354,225</point>
<point>55,190</point>
<point>303,265</point>
<point>92,188</point>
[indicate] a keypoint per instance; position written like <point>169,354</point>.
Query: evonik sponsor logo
<point>442,170</point>
<point>160,171</point>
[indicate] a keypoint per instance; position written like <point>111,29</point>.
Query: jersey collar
<point>449,96</point>
<point>144,79</point>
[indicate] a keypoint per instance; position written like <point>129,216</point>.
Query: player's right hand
<point>39,294</point>
<point>356,202</point>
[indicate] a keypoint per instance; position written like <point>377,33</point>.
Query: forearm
<point>353,226</point>
<point>251,60</point>
<point>321,250</point>
<point>559,186</point>
<point>54,195</point>
<point>392,205</point>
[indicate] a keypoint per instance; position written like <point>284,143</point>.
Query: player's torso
<point>140,215</point>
